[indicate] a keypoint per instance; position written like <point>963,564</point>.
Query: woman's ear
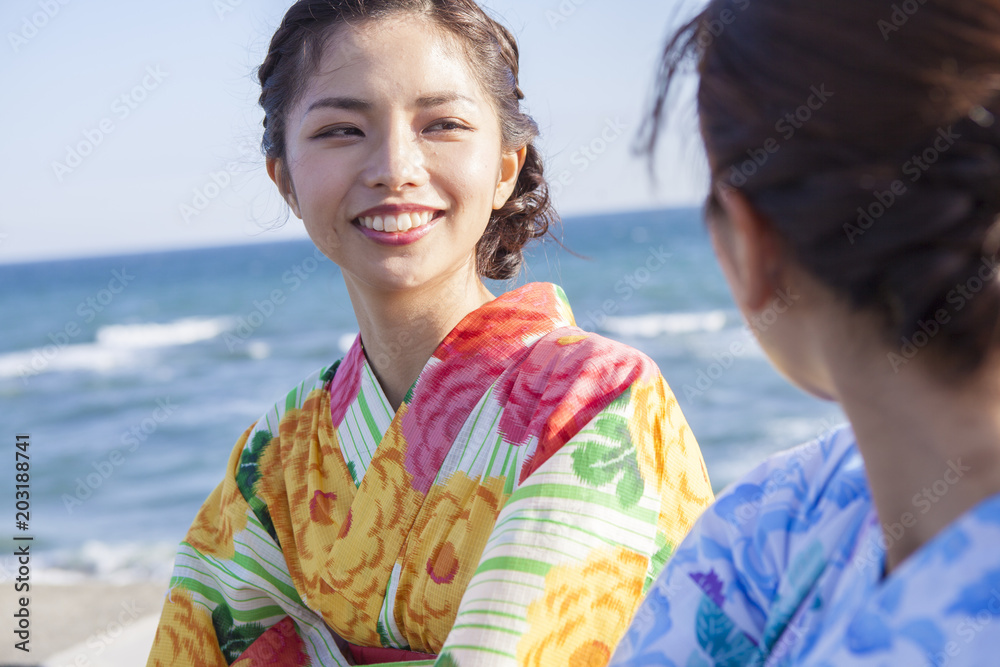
<point>510,169</point>
<point>749,251</point>
<point>279,174</point>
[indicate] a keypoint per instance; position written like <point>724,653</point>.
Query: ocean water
<point>134,375</point>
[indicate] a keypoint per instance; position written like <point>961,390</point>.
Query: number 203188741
<point>22,486</point>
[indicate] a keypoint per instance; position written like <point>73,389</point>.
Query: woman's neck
<point>931,450</point>
<point>400,329</point>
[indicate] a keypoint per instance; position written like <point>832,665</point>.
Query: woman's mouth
<point>398,229</point>
<point>402,222</point>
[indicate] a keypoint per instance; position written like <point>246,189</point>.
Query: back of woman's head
<point>295,54</point>
<point>868,134</point>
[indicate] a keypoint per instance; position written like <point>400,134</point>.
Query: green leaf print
<point>597,465</point>
<point>248,476</point>
<point>446,660</point>
<point>658,561</point>
<point>631,484</point>
<point>613,427</point>
<point>233,639</point>
<point>331,372</point>
<point>248,473</point>
<point>383,634</point>
<point>802,575</point>
<point>719,637</point>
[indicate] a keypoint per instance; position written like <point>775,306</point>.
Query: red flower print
<point>476,352</point>
<point>321,507</point>
<point>280,645</point>
<point>561,387</point>
<point>443,564</point>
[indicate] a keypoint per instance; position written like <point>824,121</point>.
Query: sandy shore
<point>86,625</point>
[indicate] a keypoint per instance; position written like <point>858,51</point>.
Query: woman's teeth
<point>397,223</point>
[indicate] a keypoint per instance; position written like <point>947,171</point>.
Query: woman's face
<point>394,155</point>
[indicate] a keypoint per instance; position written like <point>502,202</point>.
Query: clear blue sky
<point>134,125</point>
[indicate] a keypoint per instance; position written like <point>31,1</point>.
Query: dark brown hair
<point>297,49</point>
<point>866,133</point>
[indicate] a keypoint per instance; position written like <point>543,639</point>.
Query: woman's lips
<point>400,229</point>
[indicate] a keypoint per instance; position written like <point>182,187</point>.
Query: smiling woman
<point>478,481</point>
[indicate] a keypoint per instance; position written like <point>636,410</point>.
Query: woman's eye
<point>448,126</point>
<point>339,132</point>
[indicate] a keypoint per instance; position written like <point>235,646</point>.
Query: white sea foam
<point>258,350</point>
<point>181,332</point>
<point>116,346</point>
<point>120,563</point>
<point>653,325</point>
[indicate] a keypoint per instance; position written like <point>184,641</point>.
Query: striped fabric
<point>511,512</point>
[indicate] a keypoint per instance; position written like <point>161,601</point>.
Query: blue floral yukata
<point>786,568</point>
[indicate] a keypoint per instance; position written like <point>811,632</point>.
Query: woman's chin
<point>394,279</point>
<point>814,389</point>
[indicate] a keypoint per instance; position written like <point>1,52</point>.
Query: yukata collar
<point>488,337</point>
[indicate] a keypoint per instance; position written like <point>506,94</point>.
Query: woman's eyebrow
<point>361,106</point>
<point>344,103</point>
<point>437,99</point>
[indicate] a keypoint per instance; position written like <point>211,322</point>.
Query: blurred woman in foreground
<point>855,157</point>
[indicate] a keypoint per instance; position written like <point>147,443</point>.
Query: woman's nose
<point>397,162</point>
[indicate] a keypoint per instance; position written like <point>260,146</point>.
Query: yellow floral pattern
<point>684,492</point>
<point>185,634</point>
<point>584,611</point>
<point>442,554</point>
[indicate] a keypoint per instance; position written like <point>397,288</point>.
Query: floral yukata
<point>512,512</point>
<point>786,568</point>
